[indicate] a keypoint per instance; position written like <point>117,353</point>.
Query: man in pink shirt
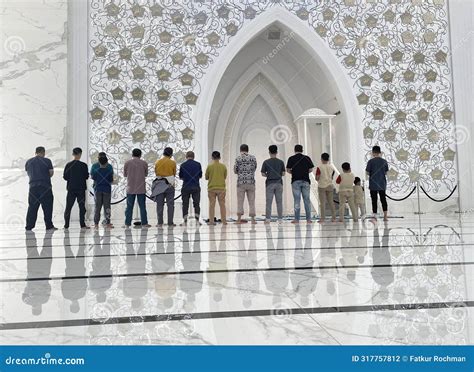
<point>136,170</point>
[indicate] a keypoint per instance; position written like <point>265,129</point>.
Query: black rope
<point>121,200</point>
<point>401,199</point>
<point>442,200</point>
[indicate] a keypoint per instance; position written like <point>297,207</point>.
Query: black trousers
<point>39,195</point>
<point>195,193</point>
<point>383,200</point>
<point>71,197</point>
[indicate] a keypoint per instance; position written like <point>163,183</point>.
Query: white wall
<point>462,46</point>
<point>33,96</point>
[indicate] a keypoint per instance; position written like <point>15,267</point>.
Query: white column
<point>462,47</point>
<point>305,129</point>
<point>330,138</point>
<point>77,125</point>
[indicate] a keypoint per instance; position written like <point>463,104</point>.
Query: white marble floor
<point>407,281</point>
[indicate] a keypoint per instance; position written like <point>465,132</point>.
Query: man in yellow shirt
<point>216,174</point>
<point>166,168</point>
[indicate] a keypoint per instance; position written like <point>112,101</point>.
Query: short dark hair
<point>168,151</point>
<point>244,147</point>
<point>190,155</point>
<point>216,155</point>
<point>298,148</point>
<point>76,151</point>
<point>325,156</point>
<point>40,150</point>
<point>356,181</point>
<point>273,149</point>
<point>100,154</point>
<point>376,150</point>
<point>346,166</point>
<point>137,153</point>
<point>103,160</point>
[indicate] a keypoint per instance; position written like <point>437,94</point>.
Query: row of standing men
<point>40,170</point>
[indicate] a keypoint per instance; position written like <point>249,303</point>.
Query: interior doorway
<point>296,77</point>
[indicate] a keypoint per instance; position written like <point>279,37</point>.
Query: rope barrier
<point>335,201</point>
<point>401,199</point>
<point>121,200</point>
<point>442,200</point>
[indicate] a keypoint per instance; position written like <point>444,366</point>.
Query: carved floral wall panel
<point>146,59</point>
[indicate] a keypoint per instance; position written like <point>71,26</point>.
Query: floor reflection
<point>394,282</point>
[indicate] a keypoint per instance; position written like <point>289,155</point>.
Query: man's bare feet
<point>109,226</point>
<point>295,221</point>
<point>309,221</point>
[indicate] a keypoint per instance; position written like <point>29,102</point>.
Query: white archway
<point>317,48</point>
<point>273,77</point>
<point>227,139</point>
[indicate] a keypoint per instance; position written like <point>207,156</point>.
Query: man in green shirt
<point>216,174</point>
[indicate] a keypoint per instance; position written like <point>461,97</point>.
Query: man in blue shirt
<point>103,174</point>
<point>40,170</point>
<point>376,169</point>
<point>190,172</point>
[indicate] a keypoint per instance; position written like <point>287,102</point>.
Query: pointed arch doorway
<point>303,73</point>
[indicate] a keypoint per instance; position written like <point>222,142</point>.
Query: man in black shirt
<point>40,170</point>
<point>300,166</point>
<point>76,173</point>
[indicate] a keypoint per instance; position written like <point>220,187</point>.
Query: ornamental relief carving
<point>146,59</point>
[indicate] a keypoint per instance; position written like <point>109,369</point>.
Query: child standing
<point>346,192</point>
<point>324,176</point>
<point>102,173</point>
<point>359,198</point>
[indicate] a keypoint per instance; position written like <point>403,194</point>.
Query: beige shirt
<point>325,172</point>
<point>346,181</point>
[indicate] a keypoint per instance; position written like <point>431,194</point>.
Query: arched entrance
<point>252,118</point>
<point>305,74</point>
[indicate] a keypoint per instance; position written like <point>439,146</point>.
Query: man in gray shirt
<point>273,169</point>
<point>136,170</point>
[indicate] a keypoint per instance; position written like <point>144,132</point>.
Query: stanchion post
<point>418,197</point>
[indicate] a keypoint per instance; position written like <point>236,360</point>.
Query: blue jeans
<point>301,188</point>
<point>129,209</point>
